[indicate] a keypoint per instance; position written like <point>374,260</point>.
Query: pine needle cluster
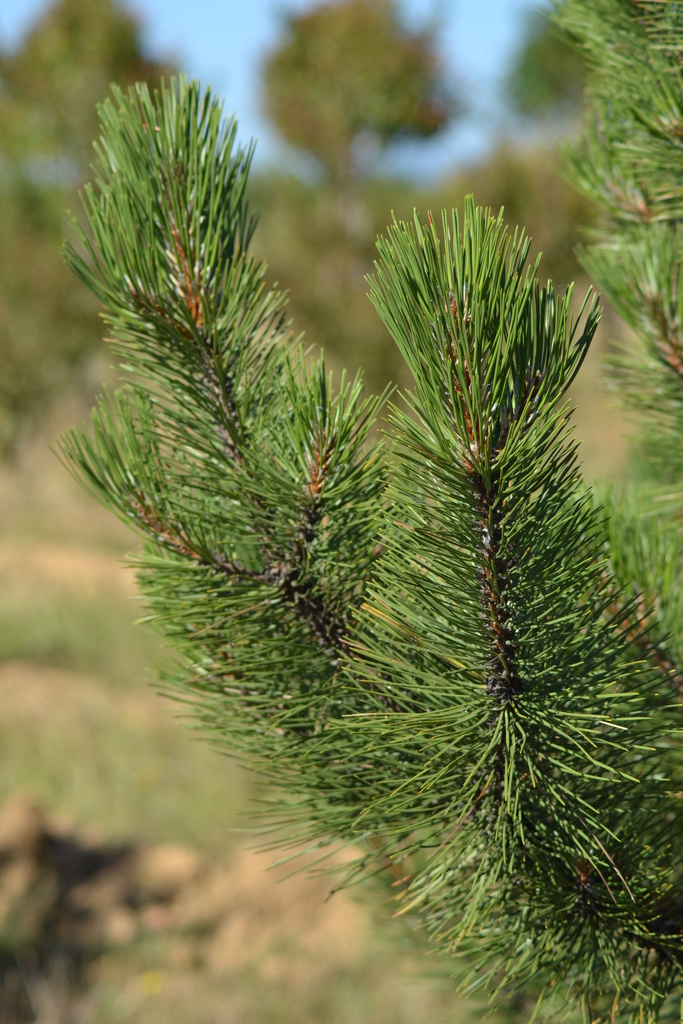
<point>442,649</point>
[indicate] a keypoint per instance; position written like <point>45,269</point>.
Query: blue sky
<point>223,41</point>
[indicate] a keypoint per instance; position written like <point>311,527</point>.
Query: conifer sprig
<point>525,710</point>
<point>222,447</point>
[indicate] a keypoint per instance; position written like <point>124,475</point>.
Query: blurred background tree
<point>545,79</point>
<point>49,89</point>
<point>348,77</point>
<point>346,80</point>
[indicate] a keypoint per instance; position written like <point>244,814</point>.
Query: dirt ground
<point>72,906</point>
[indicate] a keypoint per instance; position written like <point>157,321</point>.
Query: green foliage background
<point>352,69</point>
<point>49,330</point>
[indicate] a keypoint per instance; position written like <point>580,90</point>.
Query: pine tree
<point>443,649</point>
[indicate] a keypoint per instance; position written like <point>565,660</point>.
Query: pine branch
<point>438,659</point>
